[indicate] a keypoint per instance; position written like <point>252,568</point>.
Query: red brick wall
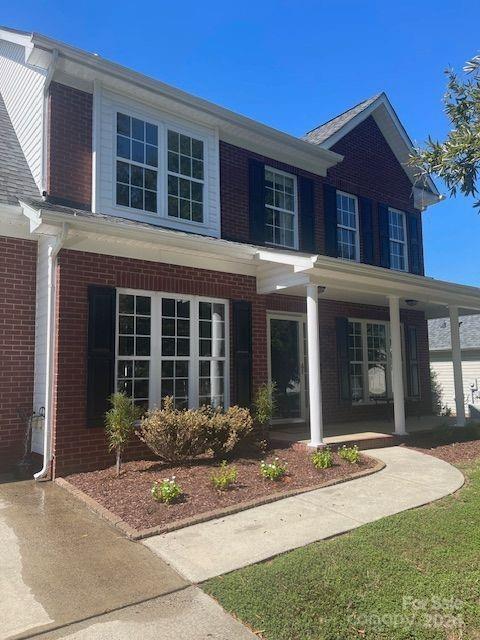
<point>369,169</point>
<point>18,261</point>
<point>78,447</point>
<point>70,146</point>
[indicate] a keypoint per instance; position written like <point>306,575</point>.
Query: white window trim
<point>294,212</point>
<point>390,239</point>
<point>356,229</point>
<point>164,121</point>
<point>156,347</point>
<point>366,396</point>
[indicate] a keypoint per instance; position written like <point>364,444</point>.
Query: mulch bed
<point>130,499</point>
<point>456,447</point>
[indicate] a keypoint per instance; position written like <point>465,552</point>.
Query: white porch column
<point>457,365</point>
<point>314,384</point>
<point>397,369</point>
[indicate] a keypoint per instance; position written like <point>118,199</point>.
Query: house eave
<point>233,128</point>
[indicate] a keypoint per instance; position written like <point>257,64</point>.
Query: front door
<point>287,366</point>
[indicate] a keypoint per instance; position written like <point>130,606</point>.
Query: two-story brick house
<point>156,243</point>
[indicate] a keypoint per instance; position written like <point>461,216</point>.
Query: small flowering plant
<point>323,459</point>
<point>224,477</point>
<point>166,491</point>
<point>350,454</point>
<point>273,470</point>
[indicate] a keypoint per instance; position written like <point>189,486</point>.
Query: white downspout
<point>53,250</point>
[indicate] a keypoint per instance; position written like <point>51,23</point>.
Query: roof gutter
<point>98,64</point>
<point>53,250</point>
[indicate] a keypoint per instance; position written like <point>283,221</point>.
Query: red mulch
<point>456,448</point>
<point>129,496</point>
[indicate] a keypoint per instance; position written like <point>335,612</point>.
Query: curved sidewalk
<point>212,548</point>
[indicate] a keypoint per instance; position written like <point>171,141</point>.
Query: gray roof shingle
<point>439,333</point>
<point>329,128</point>
<point>15,176</point>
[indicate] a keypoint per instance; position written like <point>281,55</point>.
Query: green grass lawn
<point>354,586</point>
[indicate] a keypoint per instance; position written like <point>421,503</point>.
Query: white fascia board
<point>127,234</point>
<point>13,223</point>
<point>299,262</point>
<point>233,127</point>
<point>373,279</point>
<point>402,151</point>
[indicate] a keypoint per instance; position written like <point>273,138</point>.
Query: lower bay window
<point>169,345</point>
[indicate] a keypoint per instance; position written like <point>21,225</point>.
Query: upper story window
<point>137,162</point>
<point>348,245</point>
<point>398,240</point>
<point>185,177</point>
<point>280,208</point>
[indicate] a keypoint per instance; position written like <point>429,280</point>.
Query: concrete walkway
<point>209,549</point>
<point>60,565</point>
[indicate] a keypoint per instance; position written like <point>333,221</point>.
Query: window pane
<point>123,124</point>
<point>131,135</point>
<point>279,209</point>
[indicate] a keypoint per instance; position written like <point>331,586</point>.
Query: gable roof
<point>323,132</point>
<point>16,179</point>
<point>439,333</point>
<point>380,108</point>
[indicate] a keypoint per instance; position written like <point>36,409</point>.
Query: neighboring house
<point>158,244</point>
<point>441,361</point>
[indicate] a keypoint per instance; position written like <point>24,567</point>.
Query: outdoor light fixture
<point>411,303</point>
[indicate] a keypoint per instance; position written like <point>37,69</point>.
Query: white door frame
<point>301,319</point>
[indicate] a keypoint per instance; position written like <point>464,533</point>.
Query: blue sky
<point>294,64</point>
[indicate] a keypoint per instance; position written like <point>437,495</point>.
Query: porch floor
<point>365,433</point>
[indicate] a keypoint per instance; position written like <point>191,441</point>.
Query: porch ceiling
<point>364,284</point>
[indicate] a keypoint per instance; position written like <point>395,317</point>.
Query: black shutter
<point>414,243</point>
<point>307,215</point>
<point>384,235</point>
<point>411,361</point>
<point>341,327</point>
<point>366,229</point>
<point>330,215</point>
<point>101,352</point>
<point>257,201</point>
<point>242,351</point>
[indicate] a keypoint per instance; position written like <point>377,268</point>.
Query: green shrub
<point>350,454</point>
<point>177,435</point>
<point>166,491</point>
<point>323,458</point>
<point>264,404</point>
<point>224,477</point>
<point>272,470</point>
<point>120,424</point>
<point>226,429</point>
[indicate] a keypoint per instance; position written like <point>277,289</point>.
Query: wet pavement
<point>60,563</point>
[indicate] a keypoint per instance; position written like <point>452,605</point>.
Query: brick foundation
<point>18,261</point>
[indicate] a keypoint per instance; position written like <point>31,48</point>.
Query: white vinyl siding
<point>21,86</point>
<point>443,367</point>
<point>108,105</point>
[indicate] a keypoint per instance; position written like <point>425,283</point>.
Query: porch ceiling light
<point>411,303</point>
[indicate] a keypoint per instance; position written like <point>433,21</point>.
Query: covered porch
<point>365,434</point>
<point>395,294</point>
